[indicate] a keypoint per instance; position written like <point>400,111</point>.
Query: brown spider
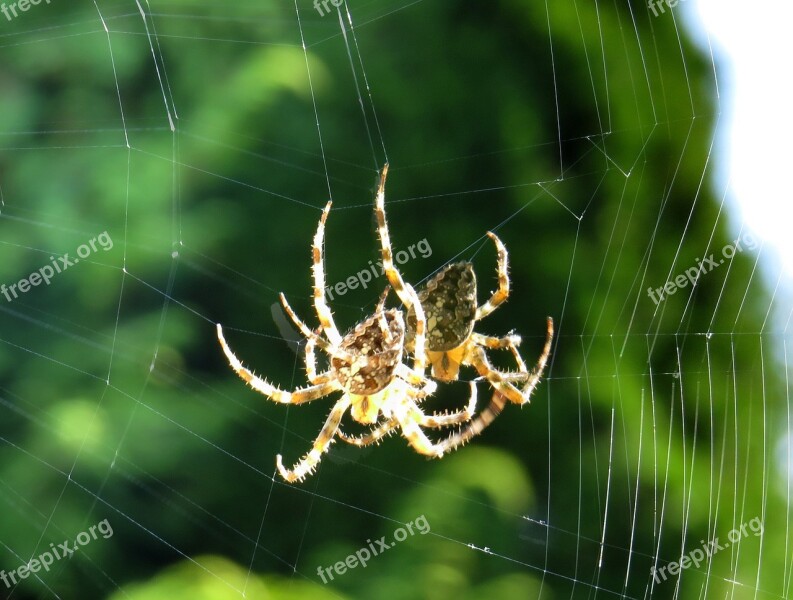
<point>365,365</point>
<point>449,301</point>
<point>450,306</point>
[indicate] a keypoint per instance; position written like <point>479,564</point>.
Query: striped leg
<point>502,293</point>
<point>380,310</point>
<point>374,436</point>
<point>381,301</point>
<point>318,269</point>
<point>534,377</point>
<point>426,386</point>
<point>299,396</point>
<point>419,340</point>
<point>410,418</point>
<point>510,342</point>
<point>311,365</point>
<point>321,342</point>
<point>312,335</point>
<point>497,343</point>
<point>403,289</point>
<point>435,420</point>
<point>479,361</point>
<point>477,425</point>
<point>497,403</point>
<point>438,420</point>
<point>309,462</point>
<point>304,329</point>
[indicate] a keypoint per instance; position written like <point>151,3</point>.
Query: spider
<point>365,365</point>
<point>449,301</point>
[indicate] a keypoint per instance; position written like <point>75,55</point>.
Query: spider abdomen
<point>449,303</point>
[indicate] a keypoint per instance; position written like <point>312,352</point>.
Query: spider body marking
<point>375,354</point>
<point>449,303</point>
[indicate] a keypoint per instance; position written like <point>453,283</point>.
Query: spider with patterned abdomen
<point>449,300</point>
<point>365,365</point>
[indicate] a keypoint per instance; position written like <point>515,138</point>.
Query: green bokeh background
<point>656,426</point>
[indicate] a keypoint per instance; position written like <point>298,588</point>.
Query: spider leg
<point>304,329</point>
<point>497,343</point>
<point>374,436</point>
<point>513,377</point>
<point>510,342</point>
<point>478,359</point>
<point>435,420</point>
<point>318,269</point>
<point>477,425</point>
<point>311,365</point>
<point>410,418</point>
<point>299,396</point>
<point>308,463</point>
<point>439,420</point>
<point>427,386</point>
<point>502,384</point>
<point>312,335</point>
<point>312,339</point>
<point>380,310</point>
<point>403,289</point>
<point>502,293</point>
<point>497,403</point>
<point>381,301</point>
<point>534,377</point>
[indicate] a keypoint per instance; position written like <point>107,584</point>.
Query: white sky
<point>754,41</point>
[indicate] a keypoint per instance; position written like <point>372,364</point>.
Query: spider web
<point>205,138</point>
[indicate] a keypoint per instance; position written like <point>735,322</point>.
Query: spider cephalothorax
<point>374,351</point>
